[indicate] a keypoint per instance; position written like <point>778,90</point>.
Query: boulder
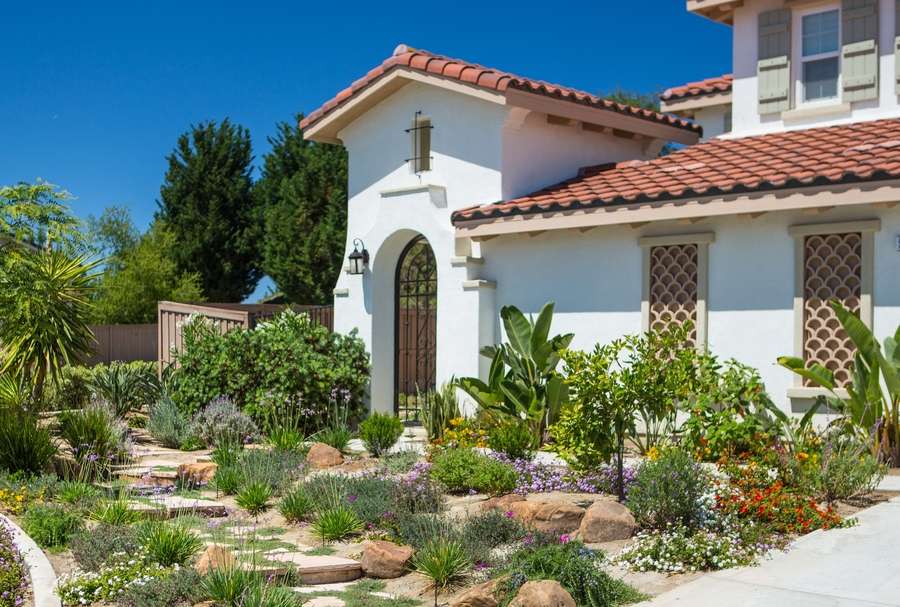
<point>502,502</point>
<point>607,521</point>
<point>215,557</point>
<point>324,456</point>
<point>482,595</point>
<point>201,472</point>
<point>546,593</point>
<point>385,560</point>
<point>560,518</point>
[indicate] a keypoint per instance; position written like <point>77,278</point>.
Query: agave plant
<point>872,412</point>
<point>438,408</point>
<point>523,383</point>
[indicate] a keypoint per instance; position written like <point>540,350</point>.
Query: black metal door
<point>416,328</point>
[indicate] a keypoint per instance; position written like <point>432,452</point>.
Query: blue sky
<point>94,95</point>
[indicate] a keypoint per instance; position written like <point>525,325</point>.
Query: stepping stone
<point>324,601</point>
<point>338,587</point>
<point>320,569</point>
<point>173,505</point>
<point>264,569</point>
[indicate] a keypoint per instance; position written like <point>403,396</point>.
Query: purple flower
<point>564,539</point>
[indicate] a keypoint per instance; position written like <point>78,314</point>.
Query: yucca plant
<point>336,524</point>
<point>442,561</point>
<point>169,543</point>
<point>297,506</point>
<point>254,497</point>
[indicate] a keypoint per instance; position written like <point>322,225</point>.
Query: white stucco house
<point>471,189</point>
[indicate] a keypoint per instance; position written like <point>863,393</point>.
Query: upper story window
<point>820,49</point>
<point>419,144</point>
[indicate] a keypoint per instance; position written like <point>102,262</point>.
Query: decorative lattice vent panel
<point>833,270</point>
<point>673,286</point>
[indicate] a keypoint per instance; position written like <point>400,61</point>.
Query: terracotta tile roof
<point>865,151</point>
<point>490,79</point>
<point>722,84</point>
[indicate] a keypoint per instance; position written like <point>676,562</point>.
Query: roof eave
<point>720,11</point>
<point>687,105</point>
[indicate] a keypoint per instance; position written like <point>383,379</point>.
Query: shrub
<point>419,529</point>
<point>514,440</point>
<point>126,386</point>
<point>13,570</point>
<point>92,548</point>
<point>228,480</point>
<point>460,470</point>
<point>168,543</point>
<point>417,493</point>
<point>76,492</point>
<point>220,422</point>
<point>399,462</point>
<point>845,469</point>
<point>442,561</point>
<point>575,567</point>
<point>296,506</point>
<point>240,364</point>
<point>276,468</point>
<point>70,390</point>
<point>483,534</point>
<point>254,497</point>
<point>369,497</point>
<point>678,550</point>
<point>96,438</point>
<point>181,588</point>
<point>380,432</point>
<point>108,581</point>
<point>25,445</point>
<point>336,524</point>
<point>51,525</point>
<point>668,491</point>
<point>167,423</point>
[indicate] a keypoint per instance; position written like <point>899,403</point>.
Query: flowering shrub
<point>463,432</point>
<point>535,477</point>
<point>668,491</point>
<point>84,587</point>
<point>220,423</point>
<point>18,501</point>
<point>678,550</point>
<point>13,571</point>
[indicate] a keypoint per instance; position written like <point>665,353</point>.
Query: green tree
<point>304,191</point>
<point>114,235</point>
<point>645,101</point>
<point>38,215</point>
<point>208,204</point>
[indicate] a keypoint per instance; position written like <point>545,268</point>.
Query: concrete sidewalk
<point>855,567</point>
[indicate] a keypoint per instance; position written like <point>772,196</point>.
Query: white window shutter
<point>859,53</point>
<point>773,68</point>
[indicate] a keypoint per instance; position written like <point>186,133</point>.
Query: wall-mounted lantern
<point>358,259</point>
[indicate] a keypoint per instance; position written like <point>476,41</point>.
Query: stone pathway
<point>855,567</point>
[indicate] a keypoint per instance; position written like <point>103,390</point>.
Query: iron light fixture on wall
<point>358,260</point>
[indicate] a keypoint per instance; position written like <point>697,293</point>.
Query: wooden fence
<point>126,343</point>
<point>170,316</point>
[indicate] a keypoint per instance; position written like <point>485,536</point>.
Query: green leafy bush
<point>296,506</point>
<point>845,469</point>
<point>220,423</point>
<point>181,588</point>
<point>461,469</point>
<point>254,497</point>
<point>668,490</point>
<point>70,390</point>
<point>442,561</point>
<point>576,568</point>
<point>25,444</point>
<point>92,548</point>
<point>514,440</point>
<point>311,362</point>
<point>483,534</point>
<point>336,524</point>
<point>380,432</point>
<point>51,525</point>
<point>167,423</point>
<point>169,543</point>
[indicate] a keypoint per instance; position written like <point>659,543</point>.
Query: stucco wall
<point>712,119</point>
<point>747,120</point>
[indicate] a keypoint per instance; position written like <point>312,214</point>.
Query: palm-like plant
<point>44,299</point>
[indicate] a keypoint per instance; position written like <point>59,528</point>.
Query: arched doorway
<point>415,328</point>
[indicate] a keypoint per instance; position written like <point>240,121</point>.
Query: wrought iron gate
<point>416,324</point>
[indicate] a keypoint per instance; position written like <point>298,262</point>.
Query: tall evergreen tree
<point>208,205</point>
<point>304,190</point>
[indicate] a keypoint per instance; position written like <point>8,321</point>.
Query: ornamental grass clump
<point>97,439</point>
<point>14,577</point>
<point>669,490</point>
<point>238,587</point>
<point>116,511</point>
<point>25,444</point>
<point>254,497</point>
<point>297,506</point>
<point>169,543</point>
<point>336,524</point>
<point>380,432</point>
<point>77,493</point>
<point>442,561</point>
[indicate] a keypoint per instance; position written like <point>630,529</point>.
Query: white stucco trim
<point>702,240</point>
<point>877,194</point>
<point>479,284</point>
<point>467,261</point>
<point>867,229</point>
<point>344,292</point>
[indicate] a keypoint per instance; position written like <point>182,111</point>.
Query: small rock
<point>197,473</point>
<point>482,595</point>
<point>323,456</point>
<point>561,518</point>
<point>546,593</point>
<point>502,502</point>
<point>385,560</point>
<point>215,557</point>
<point>607,521</point>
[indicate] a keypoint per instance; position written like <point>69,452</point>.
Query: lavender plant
<point>222,423</point>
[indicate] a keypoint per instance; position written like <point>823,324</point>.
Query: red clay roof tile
<point>853,152</point>
<point>494,80</point>
<point>722,84</point>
